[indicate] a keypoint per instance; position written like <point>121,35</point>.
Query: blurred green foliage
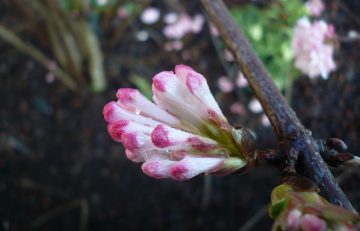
<point>71,5</point>
<point>270,31</point>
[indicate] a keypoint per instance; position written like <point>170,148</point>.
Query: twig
<point>296,142</point>
<point>355,161</point>
<point>14,40</point>
<point>333,151</point>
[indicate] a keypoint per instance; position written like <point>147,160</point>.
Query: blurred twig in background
<point>73,41</point>
<point>14,40</point>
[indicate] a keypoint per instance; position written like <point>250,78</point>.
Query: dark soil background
<point>59,169</point>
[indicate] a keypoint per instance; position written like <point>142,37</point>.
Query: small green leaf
<point>278,207</point>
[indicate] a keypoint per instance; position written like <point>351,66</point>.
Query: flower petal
<point>191,166</point>
<point>113,113</point>
<point>133,100</point>
<point>175,139</point>
<point>157,166</point>
<point>173,96</point>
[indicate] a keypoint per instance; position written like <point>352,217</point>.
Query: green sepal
<point>277,208</point>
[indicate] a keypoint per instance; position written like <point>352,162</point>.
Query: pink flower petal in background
<point>241,81</point>
<point>265,120</point>
<point>197,23</point>
<point>171,17</point>
<point>237,108</point>
<point>174,45</point>
<point>150,15</point>
<point>225,84</point>
<point>213,30</point>
<point>122,13</point>
<point>255,106</point>
<point>228,56</point>
<point>184,25</point>
<point>313,55</point>
<point>316,7</point>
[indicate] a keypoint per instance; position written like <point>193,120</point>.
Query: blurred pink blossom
<point>213,30</point>
<point>184,24</point>
<point>150,15</point>
<point>50,77</point>
<point>228,56</point>
<point>265,120</point>
<point>316,7</point>
<point>237,108</point>
<point>225,84</point>
<point>313,55</point>
<point>198,22</point>
<point>174,45</point>
<point>122,13</point>
<point>241,81</point>
<point>171,17</point>
<point>255,106</point>
<point>172,136</point>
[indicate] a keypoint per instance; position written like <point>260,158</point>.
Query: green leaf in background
<point>270,30</point>
<point>142,84</point>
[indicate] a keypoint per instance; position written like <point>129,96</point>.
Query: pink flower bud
<point>166,137</point>
<point>191,166</point>
<point>157,166</point>
<point>293,220</point>
<point>311,222</point>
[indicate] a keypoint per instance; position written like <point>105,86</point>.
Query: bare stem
<point>296,141</point>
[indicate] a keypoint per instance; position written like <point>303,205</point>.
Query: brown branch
<point>296,142</point>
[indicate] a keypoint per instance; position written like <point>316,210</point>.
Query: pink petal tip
<point>159,137</point>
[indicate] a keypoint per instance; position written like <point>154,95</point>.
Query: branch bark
<point>296,141</point>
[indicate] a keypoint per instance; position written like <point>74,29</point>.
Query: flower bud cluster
<point>184,133</point>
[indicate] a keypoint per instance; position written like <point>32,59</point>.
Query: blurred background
<point>61,61</point>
